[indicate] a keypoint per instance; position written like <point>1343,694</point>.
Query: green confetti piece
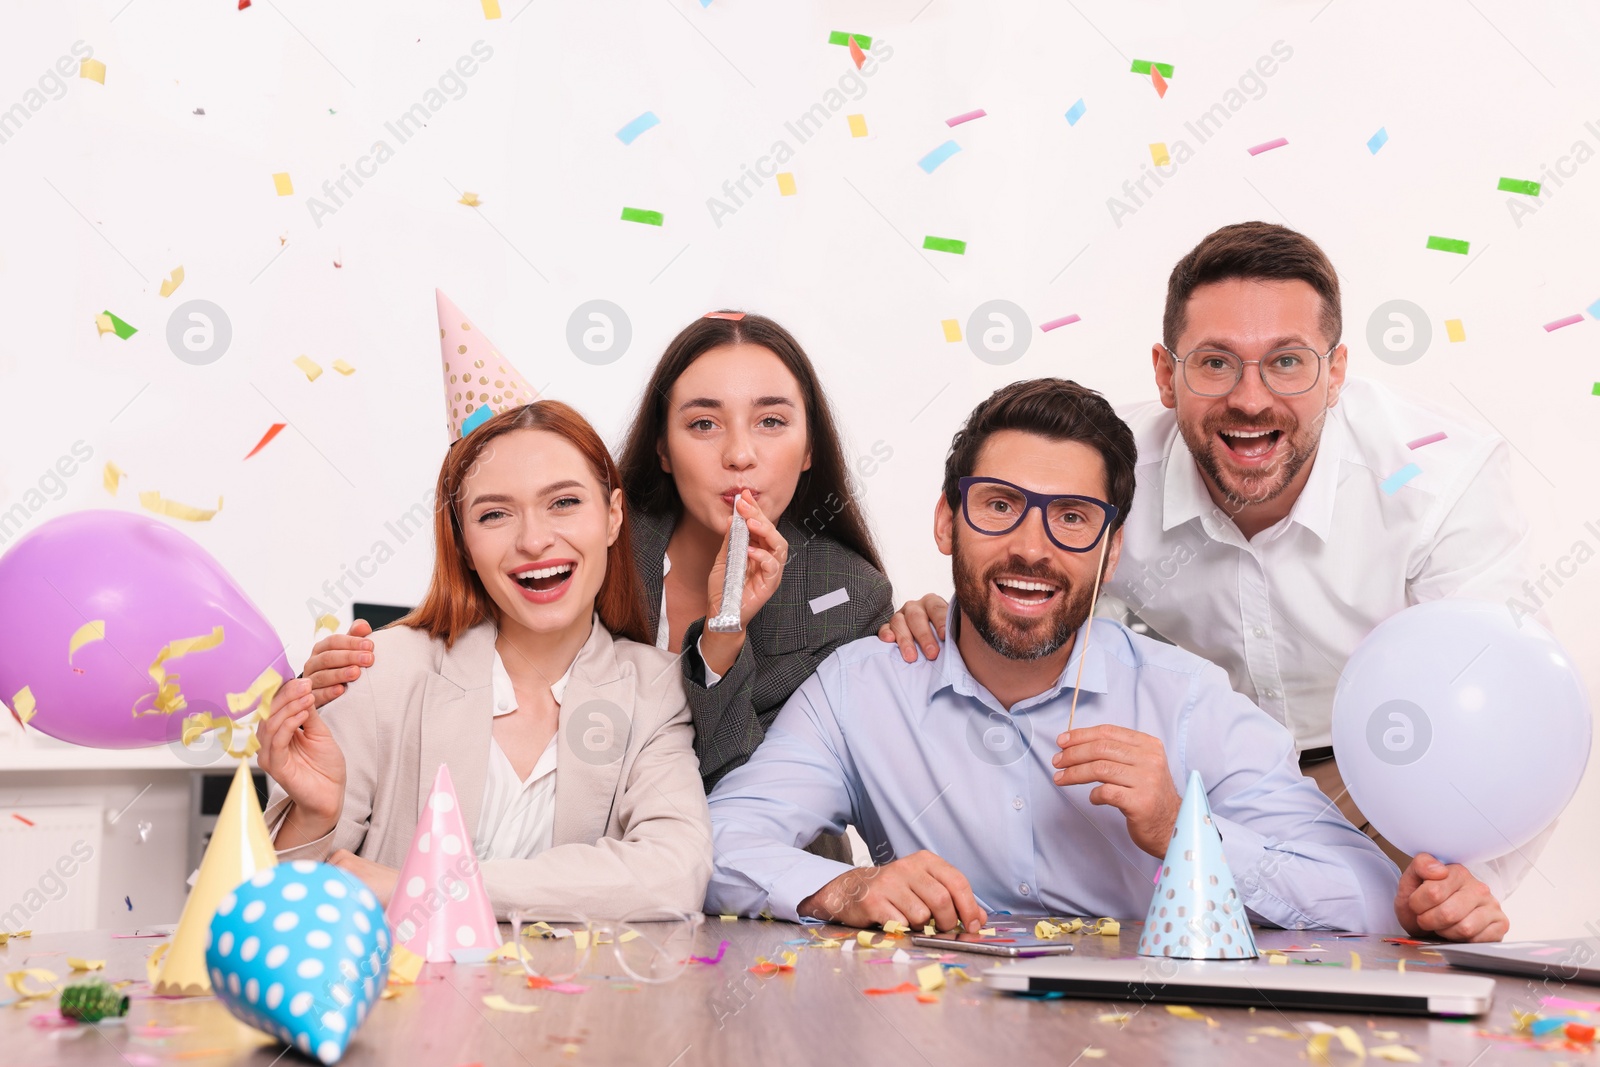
<point>842,38</point>
<point>1142,66</point>
<point>1448,244</point>
<point>124,331</point>
<point>1517,185</point>
<point>1597,389</point>
<point>639,214</point>
<point>945,244</point>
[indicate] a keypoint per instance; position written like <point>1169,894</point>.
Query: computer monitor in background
<point>378,615</point>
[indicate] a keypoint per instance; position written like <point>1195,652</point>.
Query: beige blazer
<point>631,825</point>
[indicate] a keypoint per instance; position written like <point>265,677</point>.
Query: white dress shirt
<point>664,632</point>
<point>519,814</point>
<point>1283,611</point>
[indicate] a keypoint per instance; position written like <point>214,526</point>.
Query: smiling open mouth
<point>1025,591</point>
<point>1250,444</point>
<point>544,579</point>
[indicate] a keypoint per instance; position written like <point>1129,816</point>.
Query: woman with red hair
<point>530,652</point>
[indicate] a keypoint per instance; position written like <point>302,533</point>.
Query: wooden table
<point>726,1015</point>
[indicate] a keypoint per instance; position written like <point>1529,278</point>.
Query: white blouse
<point>519,815</point>
<point>664,632</point>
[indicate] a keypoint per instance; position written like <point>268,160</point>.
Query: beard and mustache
<point>1298,445</point>
<point>1012,637</point>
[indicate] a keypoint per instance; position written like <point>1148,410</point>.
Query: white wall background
<point>106,189</point>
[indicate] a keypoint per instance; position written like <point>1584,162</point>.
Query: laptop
<point>1574,959</point>
<point>1247,983</point>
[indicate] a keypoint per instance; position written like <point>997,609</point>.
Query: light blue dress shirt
<point>921,756</point>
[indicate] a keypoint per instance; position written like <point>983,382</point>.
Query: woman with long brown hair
<point>530,652</point>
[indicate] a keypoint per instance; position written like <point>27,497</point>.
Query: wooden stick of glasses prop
<point>1083,653</point>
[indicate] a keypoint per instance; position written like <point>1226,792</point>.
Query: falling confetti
<point>1570,320</point>
<point>266,438</point>
<point>1518,185</point>
<point>858,57</point>
<point>1448,244</point>
<point>649,218</point>
<point>843,39</point>
<point>966,116</point>
<point>469,199</point>
<point>170,284</point>
<point>629,133</point>
<point>945,244</point>
<point>282,184</point>
<point>106,323</point>
<point>1075,112</point>
<point>1053,324</point>
<point>858,125</point>
<point>1159,82</point>
<point>92,69</point>
<point>952,329</point>
<point>309,367</point>
<point>1144,66</point>
<point>1454,330</point>
<point>1392,484</point>
<point>930,162</point>
<point>1267,146</point>
<point>1377,140</point>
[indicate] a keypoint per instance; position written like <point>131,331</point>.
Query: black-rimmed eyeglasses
<point>994,506</point>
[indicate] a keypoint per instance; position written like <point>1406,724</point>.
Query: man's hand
<point>912,890</point>
<point>918,623</point>
<point>378,878</point>
<point>337,660</point>
<point>1134,776</point>
<point>1439,900</point>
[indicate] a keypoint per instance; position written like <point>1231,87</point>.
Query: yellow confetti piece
<point>469,199</point>
<point>4,937</point>
<point>23,707</point>
<point>309,367</point>
<point>168,695</point>
<point>18,981</point>
<point>539,929</point>
<point>1278,1031</point>
<point>404,966</point>
<point>786,184</point>
<point>1402,967</point>
<point>1092,1053</point>
<point>1522,1020</point>
<point>510,951</point>
<point>858,125</point>
<point>929,930</point>
<point>931,977</point>
<point>1158,153</point>
<point>894,926</point>
<point>952,329</point>
<point>151,500</point>
<point>500,1003</point>
<point>343,368</point>
<point>88,633</point>
<point>92,69</point>
<point>1278,959</point>
<point>987,931</point>
<point>103,324</point>
<point>1355,961</point>
<point>729,918</point>
<point>1107,927</point>
<point>282,183</point>
<point>1183,1011</point>
<point>1118,1017</point>
<point>864,938</point>
<point>152,963</point>
<point>79,964</point>
<point>112,477</point>
<point>1046,930</point>
<point>491,9</point>
<point>1351,1041</point>
<point>1455,330</point>
<point>1394,1053</point>
<point>1394,1035</point>
<point>170,284</point>
<point>326,622</point>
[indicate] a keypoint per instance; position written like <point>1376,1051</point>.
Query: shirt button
<point>1016,802</point>
<point>501,705</point>
<point>1260,632</point>
<point>1023,888</point>
<point>1270,693</point>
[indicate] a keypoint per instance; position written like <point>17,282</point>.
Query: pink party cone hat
<point>439,901</point>
<point>1196,912</point>
<point>478,381</point>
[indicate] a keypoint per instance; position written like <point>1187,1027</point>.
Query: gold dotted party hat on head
<point>1196,912</point>
<point>240,846</point>
<point>478,381</point>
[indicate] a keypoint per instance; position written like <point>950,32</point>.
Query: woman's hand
<point>918,623</point>
<point>299,752</point>
<point>763,573</point>
<point>336,661</point>
<point>375,876</point>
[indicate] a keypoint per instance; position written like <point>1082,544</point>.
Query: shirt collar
<point>1184,495</point>
<point>505,694</point>
<point>953,672</point>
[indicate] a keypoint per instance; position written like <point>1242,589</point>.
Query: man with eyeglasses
<point>1033,766</point>
<point>1277,524</point>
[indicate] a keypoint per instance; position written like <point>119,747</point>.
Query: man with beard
<point>975,783</point>
<point>1273,531</point>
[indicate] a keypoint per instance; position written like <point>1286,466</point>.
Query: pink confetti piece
<point>1267,146</point>
<point>711,961</point>
<point>1551,327</point>
<point>1428,440</point>
<point>567,987</point>
<point>968,117</point>
<point>1066,320</point>
<point>1571,1005</point>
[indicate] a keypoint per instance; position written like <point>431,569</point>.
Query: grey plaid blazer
<point>785,642</point>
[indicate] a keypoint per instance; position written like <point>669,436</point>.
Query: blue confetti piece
<point>1075,112</point>
<point>1378,140</point>
<point>633,129</point>
<point>476,419</point>
<point>1400,477</point>
<point>128,901</point>
<point>1594,309</point>
<point>930,162</point>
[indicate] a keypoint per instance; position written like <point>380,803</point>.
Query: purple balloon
<point>151,585</point>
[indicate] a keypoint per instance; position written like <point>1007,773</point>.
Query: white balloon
<point>1459,730</point>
